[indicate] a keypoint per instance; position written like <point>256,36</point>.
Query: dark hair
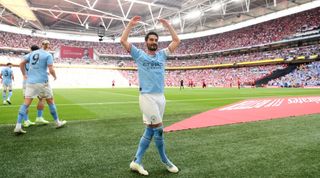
<point>8,64</point>
<point>34,47</point>
<point>150,33</point>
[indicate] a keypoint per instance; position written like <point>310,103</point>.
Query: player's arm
<point>125,33</point>
<point>23,68</point>
<point>52,71</point>
<point>50,67</point>
<point>175,39</point>
<point>12,76</point>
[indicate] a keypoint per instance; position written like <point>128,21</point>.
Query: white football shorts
<point>6,87</point>
<point>43,90</point>
<point>152,107</point>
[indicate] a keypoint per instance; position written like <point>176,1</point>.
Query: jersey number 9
<point>35,59</point>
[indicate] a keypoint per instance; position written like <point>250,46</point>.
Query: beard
<point>152,47</point>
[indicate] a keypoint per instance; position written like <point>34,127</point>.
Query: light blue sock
<point>159,141</point>
<point>22,113</point>
<point>4,95</point>
<point>10,94</point>
<point>53,111</point>
<point>40,112</point>
<point>144,144</point>
<point>26,117</point>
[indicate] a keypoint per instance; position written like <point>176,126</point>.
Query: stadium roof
<point>86,16</point>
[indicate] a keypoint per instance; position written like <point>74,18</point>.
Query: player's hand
<point>54,78</point>
<point>164,22</point>
<point>135,20</point>
<point>25,77</point>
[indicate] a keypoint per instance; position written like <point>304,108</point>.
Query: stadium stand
<point>190,54</point>
<point>267,32</point>
<point>305,75</point>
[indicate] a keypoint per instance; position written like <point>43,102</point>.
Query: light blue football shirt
<point>6,74</point>
<point>151,69</point>
<point>38,64</point>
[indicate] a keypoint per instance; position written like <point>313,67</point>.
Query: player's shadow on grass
<point>156,173</point>
<point>18,134</point>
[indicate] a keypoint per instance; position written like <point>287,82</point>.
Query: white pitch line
<point>133,102</point>
<point>129,102</point>
<point>122,94</point>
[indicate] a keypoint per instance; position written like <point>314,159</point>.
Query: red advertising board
<point>251,110</point>
<point>75,52</point>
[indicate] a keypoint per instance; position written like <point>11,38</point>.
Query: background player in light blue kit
<point>151,70</point>
<point>37,83</point>
<point>7,77</point>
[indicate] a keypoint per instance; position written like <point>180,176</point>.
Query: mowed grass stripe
<point>104,143</point>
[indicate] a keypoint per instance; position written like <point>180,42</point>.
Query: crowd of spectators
<point>270,31</point>
<point>227,77</point>
<point>286,53</point>
<point>304,76</point>
<point>267,32</point>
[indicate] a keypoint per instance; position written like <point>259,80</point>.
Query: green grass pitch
<point>104,127</point>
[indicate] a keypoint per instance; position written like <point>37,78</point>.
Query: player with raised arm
<point>151,70</point>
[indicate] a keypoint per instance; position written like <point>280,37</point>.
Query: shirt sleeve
<point>135,52</point>
<point>164,53</point>
<point>27,57</point>
<point>50,60</point>
<point>167,52</point>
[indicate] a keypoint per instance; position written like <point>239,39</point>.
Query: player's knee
<point>23,109</point>
<point>50,101</point>
<point>40,105</point>
<point>148,133</point>
<point>158,133</point>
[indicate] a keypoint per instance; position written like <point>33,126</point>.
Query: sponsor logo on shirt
<point>152,65</point>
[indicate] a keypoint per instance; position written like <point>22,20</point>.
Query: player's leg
<point>147,106</point>
<point>9,94</point>
<point>144,143</point>
<point>54,113</point>
<point>159,141</point>
<point>22,114</point>
<point>32,91</point>
<point>27,122</point>
<point>159,138</point>
<point>48,95</point>
<point>40,107</point>
<point>4,94</point>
